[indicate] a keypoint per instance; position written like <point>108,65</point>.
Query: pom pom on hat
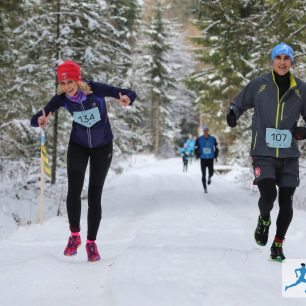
<point>69,70</point>
<point>282,48</point>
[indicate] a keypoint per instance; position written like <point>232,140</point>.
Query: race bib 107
<point>278,138</point>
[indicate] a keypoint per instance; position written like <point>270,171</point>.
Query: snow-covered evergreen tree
<point>125,17</point>
<point>159,79</point>
<point>17,141</point>
<point>182,105</point>
<point>161,63</point>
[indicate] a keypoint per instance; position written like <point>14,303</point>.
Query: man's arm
<point>216,151</point>
<point>197,148</point>
<point>242,102</point>
<point>299,132</point>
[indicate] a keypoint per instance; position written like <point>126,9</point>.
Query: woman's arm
<point>105,90</point>
<point>55,103</point>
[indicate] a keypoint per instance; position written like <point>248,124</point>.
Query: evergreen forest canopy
<point>179,85</point>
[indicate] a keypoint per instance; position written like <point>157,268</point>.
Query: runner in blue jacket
<point>90,140</point>
<point>279,100</point>
<point>190,143</point>
<point>184,152</point>
<point>206,148</point>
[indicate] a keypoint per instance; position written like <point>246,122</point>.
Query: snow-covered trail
<point>163,242</point>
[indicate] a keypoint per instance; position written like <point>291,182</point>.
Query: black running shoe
<point>209,180</point>
<point>262,231</point>
<point>277,252</point>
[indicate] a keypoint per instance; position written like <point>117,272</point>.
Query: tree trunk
<point>55,124</point>
<point>54,148</point>
<point>157,126</point>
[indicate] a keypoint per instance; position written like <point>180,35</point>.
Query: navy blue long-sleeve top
<point>91,127</point>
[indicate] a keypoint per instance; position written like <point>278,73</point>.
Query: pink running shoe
<point>92,251</point>
<point>73,243</point>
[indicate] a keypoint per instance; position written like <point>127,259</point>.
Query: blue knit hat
<point>282,48</point>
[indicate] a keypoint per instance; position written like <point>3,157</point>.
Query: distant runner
<point>206,148</point>
<point>190,143</point>
<point>185,157</point>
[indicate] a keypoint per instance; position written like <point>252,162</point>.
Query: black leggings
<point>268,194</point>
<point>77,160</point>
<point>207,163</point>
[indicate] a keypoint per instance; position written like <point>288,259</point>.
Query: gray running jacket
<point>262,94</point>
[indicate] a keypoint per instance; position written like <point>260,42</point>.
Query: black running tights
<point>268,194</point>
<point>207,163</point>
<point>77,160</point>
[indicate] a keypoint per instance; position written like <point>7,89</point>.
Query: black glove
<point>216,154</point>
<point>299,133</point>
<point>231,118</point>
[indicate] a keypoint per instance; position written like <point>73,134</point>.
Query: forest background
<point>186,59</point>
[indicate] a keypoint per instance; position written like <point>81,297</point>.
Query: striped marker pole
<point>43,164</point>
<point>41,214</point>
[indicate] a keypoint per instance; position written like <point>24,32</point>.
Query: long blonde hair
<point>82,85</point>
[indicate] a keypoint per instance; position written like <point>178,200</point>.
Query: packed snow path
<point>163,242</point>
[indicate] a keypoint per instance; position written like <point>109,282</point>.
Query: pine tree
<point>11,138</point>
<point>159,78</point>
<point>161,62</point>
<point>182,107</point>
<point>230,56</point>
<point>124,15</point>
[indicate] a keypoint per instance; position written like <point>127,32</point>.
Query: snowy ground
<point>163,243</point>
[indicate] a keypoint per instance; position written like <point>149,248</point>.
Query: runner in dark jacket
<point>206,148</point>
<point>90,140</point>
<point>278,99</point>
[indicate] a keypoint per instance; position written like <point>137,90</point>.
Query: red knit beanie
<point>69,70</point>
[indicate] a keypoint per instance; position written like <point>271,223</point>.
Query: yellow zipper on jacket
<point>282,113</point>
<point>277,110</point>
<point>255,139</point>
<point>292,84</point>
